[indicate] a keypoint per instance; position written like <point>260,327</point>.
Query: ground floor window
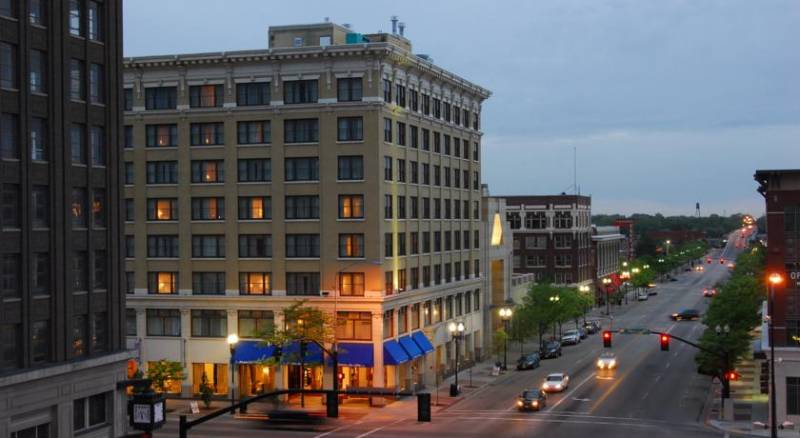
<point>89,412</point>
<point>312,377</point>
<point>216,376</point>
<point>355,377</point>
<point>39,431</point>
<point>256,379</point>
<point>793,396</point>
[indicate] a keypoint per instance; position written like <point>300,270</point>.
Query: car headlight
<point>613,363</point>
<point>558,386</point>
<point>519,402</point>
<point>600,364</point>
<point>536,403</point>
<point>544,385</point>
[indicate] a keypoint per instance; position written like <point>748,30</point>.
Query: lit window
<point>254,283</point>
<point>162,282</point>
<point>351,245</point>
<point>351,206</point>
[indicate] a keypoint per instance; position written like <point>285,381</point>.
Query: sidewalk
<point>743,428</point>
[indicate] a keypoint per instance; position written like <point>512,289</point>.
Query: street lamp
<point>774,280</point>
<point>726,389</point>
<point>457,331</point>
<point>505,315</point>
<point>232,340</point>
<point>668,242</point>
<point>584,288</point>
<point>606,282</point>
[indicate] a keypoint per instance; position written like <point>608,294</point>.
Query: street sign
<point>634,331</point>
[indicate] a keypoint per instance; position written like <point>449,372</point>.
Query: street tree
<point>162,372</point>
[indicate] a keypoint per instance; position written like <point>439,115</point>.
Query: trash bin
<point>454,389</point>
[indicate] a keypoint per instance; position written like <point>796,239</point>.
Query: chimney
<point>394,24</point>
<point>402,27</point>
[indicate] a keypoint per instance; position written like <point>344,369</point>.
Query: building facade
<point>62,345</point>
<point>781,190</point>
<point>552,237</point>
<point>610,248</point>
<point>333,167</point>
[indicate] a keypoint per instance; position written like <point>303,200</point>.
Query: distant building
<point>781,191</point>
<point>552,237</point>
<point>626,227</point>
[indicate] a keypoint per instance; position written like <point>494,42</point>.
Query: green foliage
<point>162,372</point>
<point>301,322</point>
<point>544,305</point>
<point>714,226</point>
<point>206,391</point>
<point>499,341</point>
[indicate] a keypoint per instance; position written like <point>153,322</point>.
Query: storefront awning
<point>291,353</point>
<point>422,341</point>
<point>393,353</point>
<point>252,352</point>
<point>355,355</point>
<point>410,347</point>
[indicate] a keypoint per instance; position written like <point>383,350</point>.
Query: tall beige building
<point>334,167</point>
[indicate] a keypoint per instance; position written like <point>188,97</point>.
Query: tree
<point>164,371</point>
<point>206,391</point>
<point>301,322</point>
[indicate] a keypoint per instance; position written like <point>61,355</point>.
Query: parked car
<point>642,295</point>
<point>528,361</point>
<point>531,400</point>
<point>555,382</point>
<point>591,327</point>
<point>582,332</point>
<point>686,315</point>
<point>550,350</point>
<point>571,337</point>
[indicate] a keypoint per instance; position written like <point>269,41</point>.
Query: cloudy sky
<point>667,102</point>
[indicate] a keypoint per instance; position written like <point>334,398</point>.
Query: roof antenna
<point>575,187</point>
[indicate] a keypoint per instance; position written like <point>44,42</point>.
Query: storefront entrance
<point>256,379</point>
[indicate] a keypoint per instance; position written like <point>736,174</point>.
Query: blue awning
<point>290,353</point>
<point>355,355</point>
<point>393,353</point>
<point>422,341</point>
<point>410,347</point>
<point>252,352</point>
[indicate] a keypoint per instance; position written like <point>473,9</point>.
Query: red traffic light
<point>607,339</point>
<point>732,375</point>
<point>664,341</point>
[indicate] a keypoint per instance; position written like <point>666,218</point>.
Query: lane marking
<point>380,428</point>
<point>668,364</point>
<point>569,394</point>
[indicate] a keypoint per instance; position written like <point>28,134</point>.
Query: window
<point>427,313</point>
<point>302,245</point>
<point>401,244</point>
<point>400,95</point>
<point>255,283</point>
<point>387,207</point>
<point>351,167</point>
<point>447,144</point>
<point>414,171</point>
<point>208,283</point>
<point>163,322</point>
<point>75,18</point>
<point>10,278</point>
<point>401,207</point>
<point>255,245</point>
<point>387,168</point>
<point>204,246</point>
<point>302,207</point>
<point>514,220</point>
<point>205,96</point>
<point>401,170</point>
<point>161,135</point>
<point>438,313</point>
<point>426,104</point>
<point>40,269</point>
<point>414,207</point>
<point>78,208</point>
<point>208,209</point>
<point>40,206</point>
<point>256,132</point>
<point>387,130</point>
<point>388,245</point>
<point>255,207</point>
<point>301,131</point>
<point>255,93</point>
<point>792,395</point>
<point>351,284</point>
<point>8,8</point>
<point>563,219</point>
<point>447,208</point>
<point>130,322</point>
<point>456,115</point>
<point>207,134</point>
<point>563,260</point>
<point>130,212</point>
<point>38,139</point>
<point>204,172</point>
<point>535,220</point>
<point>255,323</point>
<point>8,65</point>
<point>162,282</point>
<point>414,236</point>
<point>79,338</point>
<point>437,175</point>
<point>351,206</point>
<point>476,244</point>
<point>351,245</point>
<point>302,283</point>
<point>302,169</point>
<point>414,100</point>
<point>535,261</point>
<point>89,412</point>
<point>100,270</point>
<point>300,91</point>
<point>388,324</point>
<point>355,326</point>
<point>77,141</point>
<point>437,108</point>
<point>161,98</point>
<point>38,72</point>
<point>97,143</point>
<point>401,134</point>
<point>402,320</point>
<point>209,323</point>
<point>351,129</point>
<point>562,241</point>
<point>128,99</point>
<point>162,209</point>
<point>255,170</point>
<point>99,208</point>
<point>465,179</point>
<point>387,91</point>
<point>459,304</point>
<point>446,111</point>
<point>349,89</point>
<point>95,16</point>
<point>426,242</point>
<point>97,84</point>
<point>130,283</point>
<point>426,208</point>
<point>162,246</point>
<point>476,296</point>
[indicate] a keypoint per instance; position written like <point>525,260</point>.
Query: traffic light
<point>732,376</point>
<point>664,340</point>
<point>607,339</point>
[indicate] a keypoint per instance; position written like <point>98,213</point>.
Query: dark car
<point>528,362</point>
<point>532,400</point>
<point>686,315</point>
<point>591,327</point>
<point>550,350</point>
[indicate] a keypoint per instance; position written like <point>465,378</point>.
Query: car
<point>687,270</point>
<point>528,361</point>
<point>607,361</point>
<point>699,268</point>
<point>673,279</point>
<point>710,292</point>
<point>550,350</point>
<point>721,261</point>
<point>686,315</point>
<point>591,327</point>
<point>731,265</point>
<point>571,337</point>
<point>555,382</point>
<point>532,400</point>
<point>652,292</point>
<point>582,331</point>
<point>642,295</point>
<point>651,285</point>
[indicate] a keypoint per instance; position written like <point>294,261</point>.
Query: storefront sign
<point>794,276</point>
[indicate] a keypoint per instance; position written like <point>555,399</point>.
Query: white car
<point>571,337</point>
<point>607,361</point>
<point>555,382</point>
<point>642,295</point>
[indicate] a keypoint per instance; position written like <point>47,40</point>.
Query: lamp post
<point>668,242</point>
<point>505,315</point>
<point>606,282</point>
<point>457,331</point>
<point>232,340</point>
<point>584,288</point>
<point>554,300</point>
<point>726,389</point>
<point>774,280</point>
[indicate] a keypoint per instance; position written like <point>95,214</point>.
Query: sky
<point>664,103</point>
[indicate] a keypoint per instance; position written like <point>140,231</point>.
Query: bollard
<point>332,404</point>
<point>424,407</point>
<point>182,429</point>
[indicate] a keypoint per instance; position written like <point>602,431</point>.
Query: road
<point>651,394</point>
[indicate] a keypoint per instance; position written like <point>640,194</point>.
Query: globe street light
<point>606,282</point>
<point>774,280</point>
<point>232,340</point>
<point>505,315</point>
<point>457,331</point>
<point>584,288</point>
<point>668,242</point>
